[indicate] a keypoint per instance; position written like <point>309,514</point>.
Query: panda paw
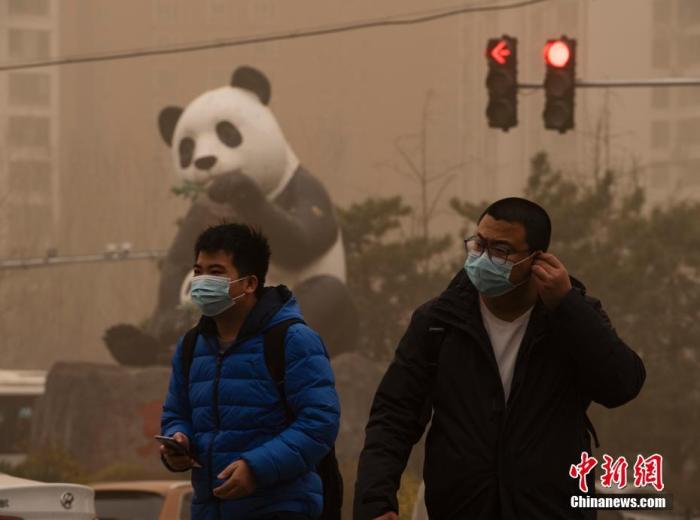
<point>237,190</point>
<point>131,346</point>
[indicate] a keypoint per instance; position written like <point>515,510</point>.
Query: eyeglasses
<point>475,246</point>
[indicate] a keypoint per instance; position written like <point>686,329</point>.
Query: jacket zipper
<point>217,377</point>
<point>217,420</point>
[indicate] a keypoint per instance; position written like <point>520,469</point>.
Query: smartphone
<point>172,444</point>
<point>176,447</point>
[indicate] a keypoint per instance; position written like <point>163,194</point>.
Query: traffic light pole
<point>662,82</point>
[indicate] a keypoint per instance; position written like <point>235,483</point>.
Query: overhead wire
<point>403,20</point>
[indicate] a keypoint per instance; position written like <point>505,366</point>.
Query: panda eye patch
<point>229,134</point>
<point>186,150</point>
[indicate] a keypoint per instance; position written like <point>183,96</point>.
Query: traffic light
<point>502,82</point>
<point>559,84</point>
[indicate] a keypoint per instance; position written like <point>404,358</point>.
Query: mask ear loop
<point>238,280</point>
<point>534,253</point>
<point>237,297</point>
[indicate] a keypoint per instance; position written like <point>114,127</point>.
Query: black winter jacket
<point>485,458</point>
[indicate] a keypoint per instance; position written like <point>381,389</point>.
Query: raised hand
<point>551,278</point>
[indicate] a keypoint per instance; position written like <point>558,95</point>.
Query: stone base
<point>102,415</point>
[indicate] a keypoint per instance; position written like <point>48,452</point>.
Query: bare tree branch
<point>410,163</point>
<point>439,193</point>
<point>446,171</point>
<point>395,168</point>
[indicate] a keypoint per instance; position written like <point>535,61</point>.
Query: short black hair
<point>247,247</point>
<point>535,220</point>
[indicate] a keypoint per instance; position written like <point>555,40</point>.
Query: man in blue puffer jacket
<point>248,460</point>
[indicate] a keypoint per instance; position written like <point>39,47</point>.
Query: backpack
<point>438,333</point>
<point>274,344</point>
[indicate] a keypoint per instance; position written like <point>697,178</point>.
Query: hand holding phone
<point>176,451</point>
<point>172,445</point>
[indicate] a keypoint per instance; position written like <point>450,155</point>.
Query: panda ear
<point>252,79</point>
<point>167,120</point>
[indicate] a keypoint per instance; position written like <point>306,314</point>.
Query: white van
<point>19,390</point>
<point>22,499</point>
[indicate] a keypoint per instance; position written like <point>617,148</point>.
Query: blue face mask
<point>490,279</point>
<point>210,293</point>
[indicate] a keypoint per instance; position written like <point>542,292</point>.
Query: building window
<point>661,53</point>
<point>30,89</point>
<point>218,10</point>
<point>660,97</point>
<point>28,7</point>
<point>660,176</point>
<point>31,223</point>
<point>261,10</point>
<point>29,131</point>
<point>28,43</point>
<point>688,96</point>
<point>691,173</point>
<point>29,177</point>
<point>688,13</point>
<point>165,11</point>
<point>688,131</point>
<point>660,134</point>
<point>689,50</point>
<point>662,11</point>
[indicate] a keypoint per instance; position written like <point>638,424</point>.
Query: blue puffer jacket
<point>232,410</point>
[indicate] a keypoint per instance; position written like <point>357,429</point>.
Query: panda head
<point>229,129</point>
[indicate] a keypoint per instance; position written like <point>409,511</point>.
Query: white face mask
<point>210,293</point>
<point>490,278</point>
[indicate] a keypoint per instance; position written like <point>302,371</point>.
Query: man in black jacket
<point>508,358</point>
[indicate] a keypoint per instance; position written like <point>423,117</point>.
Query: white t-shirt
<point>506,337</point>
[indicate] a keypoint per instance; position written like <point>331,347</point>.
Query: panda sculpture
<point>228,143</point>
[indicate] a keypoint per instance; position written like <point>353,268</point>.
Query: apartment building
<point>29,122</point>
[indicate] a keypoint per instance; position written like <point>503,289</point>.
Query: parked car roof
<point>160,487</point>
<point>9,480</point>
<point>156,499</point>
<point>35,500</point>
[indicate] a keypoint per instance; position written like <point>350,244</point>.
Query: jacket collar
<point>269,303</point>
<point>458,305</point>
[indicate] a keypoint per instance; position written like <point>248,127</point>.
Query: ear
<point>167,120</point>
<point>252,283</point>
<point>253,80</point>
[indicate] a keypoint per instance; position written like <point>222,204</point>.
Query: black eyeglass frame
<point>487,248</point>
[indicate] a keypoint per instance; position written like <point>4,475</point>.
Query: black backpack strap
<point>189,341</point>
<point>327,469</point>
<point>435,337</point>
<point>273,348</point>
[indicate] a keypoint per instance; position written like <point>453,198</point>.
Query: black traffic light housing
<point>502,82</point>
<point>559,84</point>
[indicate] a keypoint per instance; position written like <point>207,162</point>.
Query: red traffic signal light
<point>557,53</point>
<point>500,52</point>
<point>560,84</point>
<point>502,82</point>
